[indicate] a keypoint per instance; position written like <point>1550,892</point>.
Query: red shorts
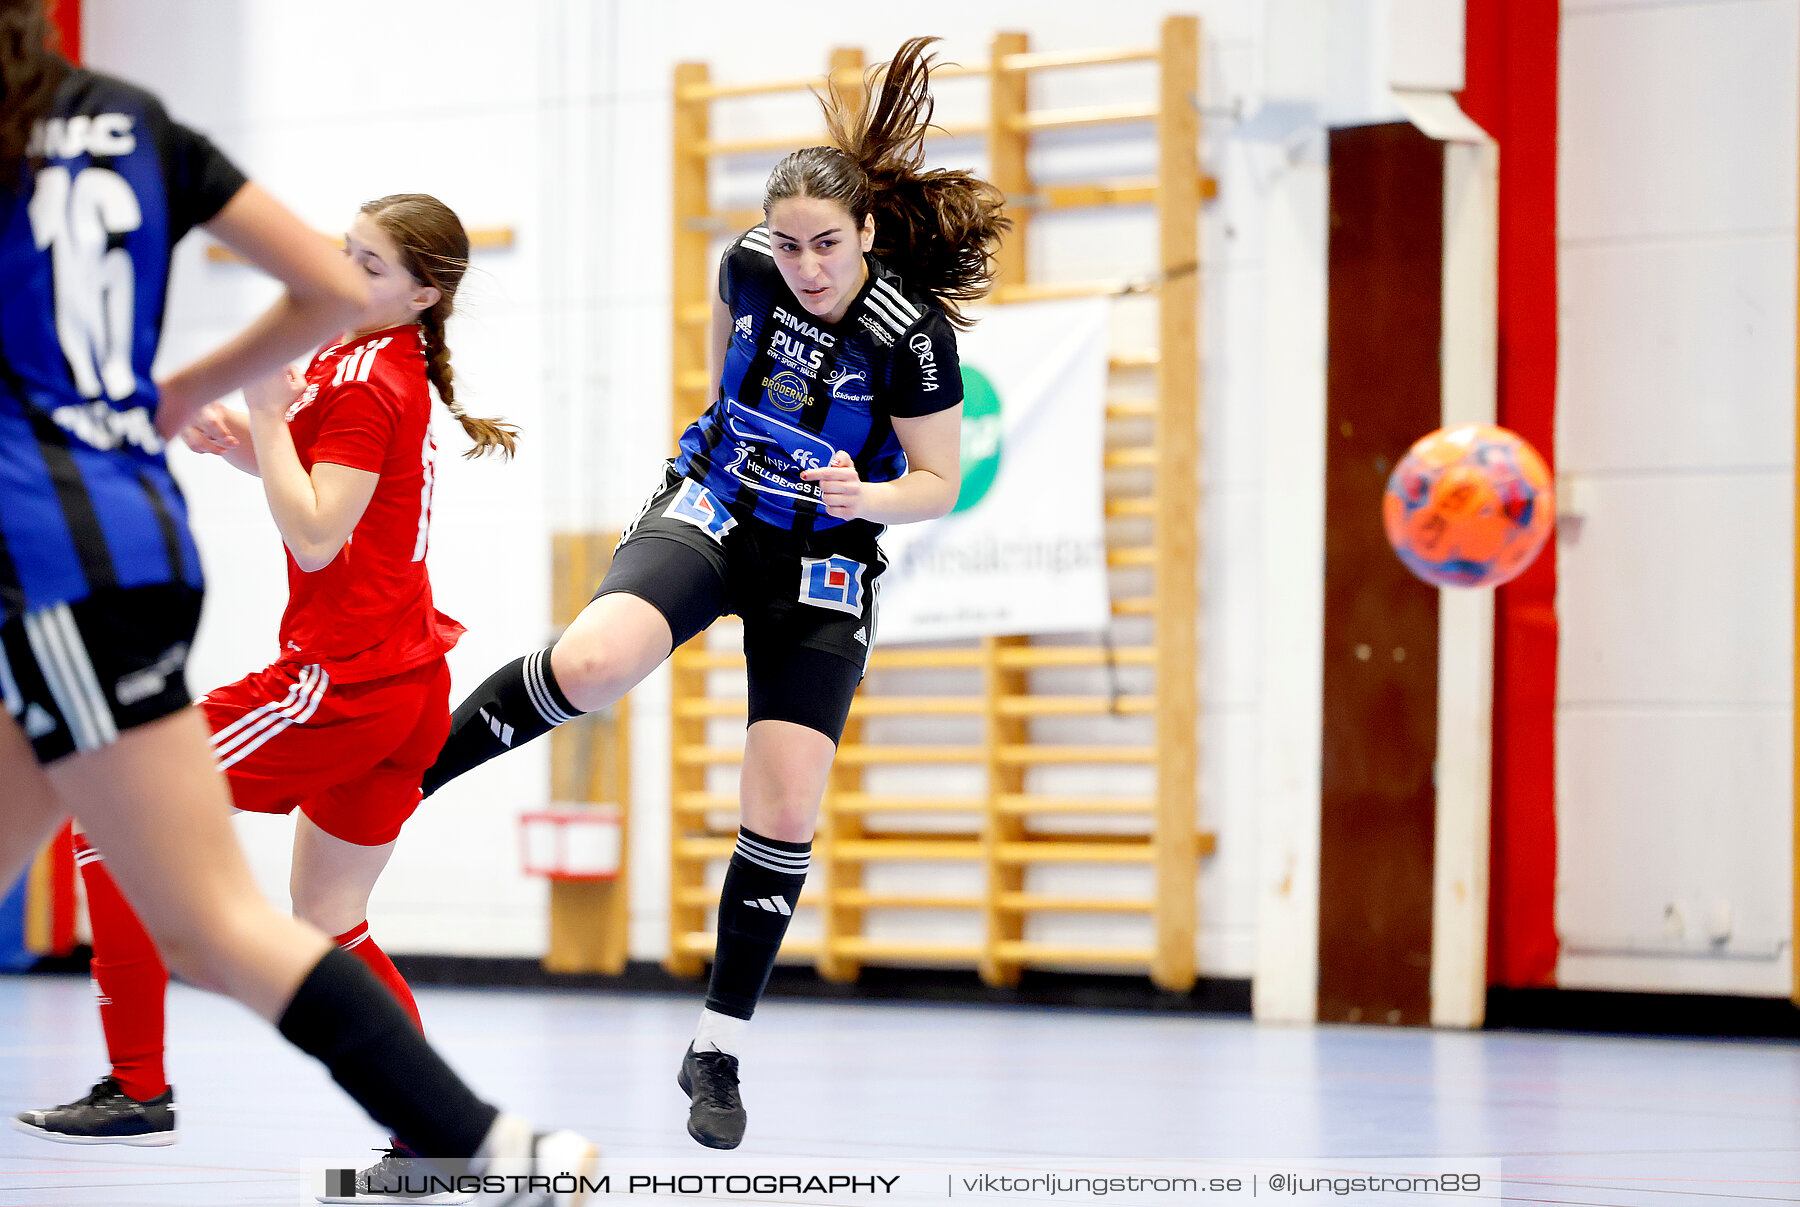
<point>349,756</point>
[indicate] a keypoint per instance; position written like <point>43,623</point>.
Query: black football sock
<point>349,1021</point>
<point>762,883</point>
<point>519,702</point>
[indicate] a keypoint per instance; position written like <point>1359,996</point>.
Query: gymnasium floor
<point>930,1089</point>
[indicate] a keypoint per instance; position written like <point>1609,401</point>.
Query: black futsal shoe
<point>715,1113</point>
<point>105,1116</point>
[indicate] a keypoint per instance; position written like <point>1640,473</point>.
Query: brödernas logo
<point>983,428</point>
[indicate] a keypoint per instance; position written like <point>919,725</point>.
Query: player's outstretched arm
<point>222,432</point>
<point>324,295</point>
<point>315,513</point>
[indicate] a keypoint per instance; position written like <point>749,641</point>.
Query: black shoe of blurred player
<point>399,1177</point>
<point>105,1116</point>
<point>715,1112</point>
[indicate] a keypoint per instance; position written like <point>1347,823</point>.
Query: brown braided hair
<point>434,248</point>
<point>30,71</point>
<point>937,229</point>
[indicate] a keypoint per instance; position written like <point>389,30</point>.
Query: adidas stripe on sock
<point>756,903</point>
<point>517,703</point>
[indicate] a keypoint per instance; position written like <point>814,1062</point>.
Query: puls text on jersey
<point>795,351</point>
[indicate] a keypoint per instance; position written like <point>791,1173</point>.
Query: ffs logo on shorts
<point>695,504</point>
<point>832,582</point>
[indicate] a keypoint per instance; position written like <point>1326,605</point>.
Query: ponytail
<point>30,71</point>
<point>938,229</point>
<point>488,434</point>
<point>434,248</point>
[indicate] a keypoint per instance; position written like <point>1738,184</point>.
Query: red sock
<point>129,981</point>
<point>358,943</point>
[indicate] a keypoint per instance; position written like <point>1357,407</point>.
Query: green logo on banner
<point>982,428</point>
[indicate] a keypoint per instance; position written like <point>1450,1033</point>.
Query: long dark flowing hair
<point>30,70</point>
<point>938,229</point>
<point>434,248</point>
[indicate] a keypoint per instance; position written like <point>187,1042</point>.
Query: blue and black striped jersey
<point>794,391</point>
<point>86,498</point>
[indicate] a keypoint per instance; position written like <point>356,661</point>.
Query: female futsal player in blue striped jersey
<point>100,581</point>
<point>838,411</point>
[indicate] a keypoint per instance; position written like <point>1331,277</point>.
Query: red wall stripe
<point>1511,49</point>
<point>67,15</point>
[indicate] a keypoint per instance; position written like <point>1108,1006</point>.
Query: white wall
<point>555,121</point>
<point>1676,450</point>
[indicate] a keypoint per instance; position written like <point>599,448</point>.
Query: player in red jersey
<point>342,725</point>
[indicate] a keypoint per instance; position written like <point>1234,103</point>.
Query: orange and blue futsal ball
<point>1469,506</point>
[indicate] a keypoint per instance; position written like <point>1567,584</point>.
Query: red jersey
<point>369,613</point>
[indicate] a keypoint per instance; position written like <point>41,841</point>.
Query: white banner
<point>1025,549</point>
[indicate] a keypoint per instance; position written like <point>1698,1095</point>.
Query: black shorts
<point>75,676</point>
<point>808,601</point>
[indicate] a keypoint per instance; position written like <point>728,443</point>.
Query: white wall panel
<point>1585,8</point>
<point>1288,163</point>
<point>1679,590</point>
<point>355,58</point>
<point>1675,455</point>
<point>1231,431</point>
<point>192,53</point>
<point>1230,749</point>
<point>1426,44</point>
<point>1678,120</point>
<point>1678,355</point>
<point>1673,872</point>
<point>1231,665</point>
